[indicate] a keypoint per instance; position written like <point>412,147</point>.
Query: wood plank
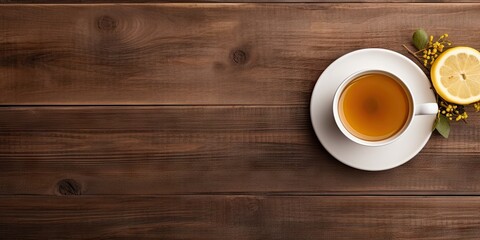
<point>165,150</point>
<point>231,1</point>
<point>199,54</point>
<point>239,217</point>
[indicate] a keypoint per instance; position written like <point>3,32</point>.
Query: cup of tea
<point>375,107</point>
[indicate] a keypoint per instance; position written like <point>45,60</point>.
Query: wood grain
<point>239,217</point>
<point>185,150</point>
<point>199,54</point>
<point>228,151</point>
<point>232,1</point>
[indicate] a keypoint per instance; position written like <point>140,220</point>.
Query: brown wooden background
<point>191,121</point>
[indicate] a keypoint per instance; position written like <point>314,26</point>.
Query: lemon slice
<point>456,75</point>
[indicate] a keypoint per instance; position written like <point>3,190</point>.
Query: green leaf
<point>443,126</point>
<point>420,39</point>
<point>436,122</point>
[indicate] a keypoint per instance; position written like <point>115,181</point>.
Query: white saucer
<point>356,155</point>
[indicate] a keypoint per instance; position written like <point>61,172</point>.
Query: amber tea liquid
<point>374,107</point>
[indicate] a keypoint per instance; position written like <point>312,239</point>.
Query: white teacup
<point>413,110</point>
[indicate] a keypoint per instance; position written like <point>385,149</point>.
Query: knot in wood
<point>107,23</point>
<point>252,205</point>
<point>69,187</point>
<point>239,57</point>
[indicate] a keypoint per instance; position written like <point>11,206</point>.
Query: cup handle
<point>426,109</point>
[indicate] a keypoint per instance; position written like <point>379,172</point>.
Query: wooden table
<point>191,121</point>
